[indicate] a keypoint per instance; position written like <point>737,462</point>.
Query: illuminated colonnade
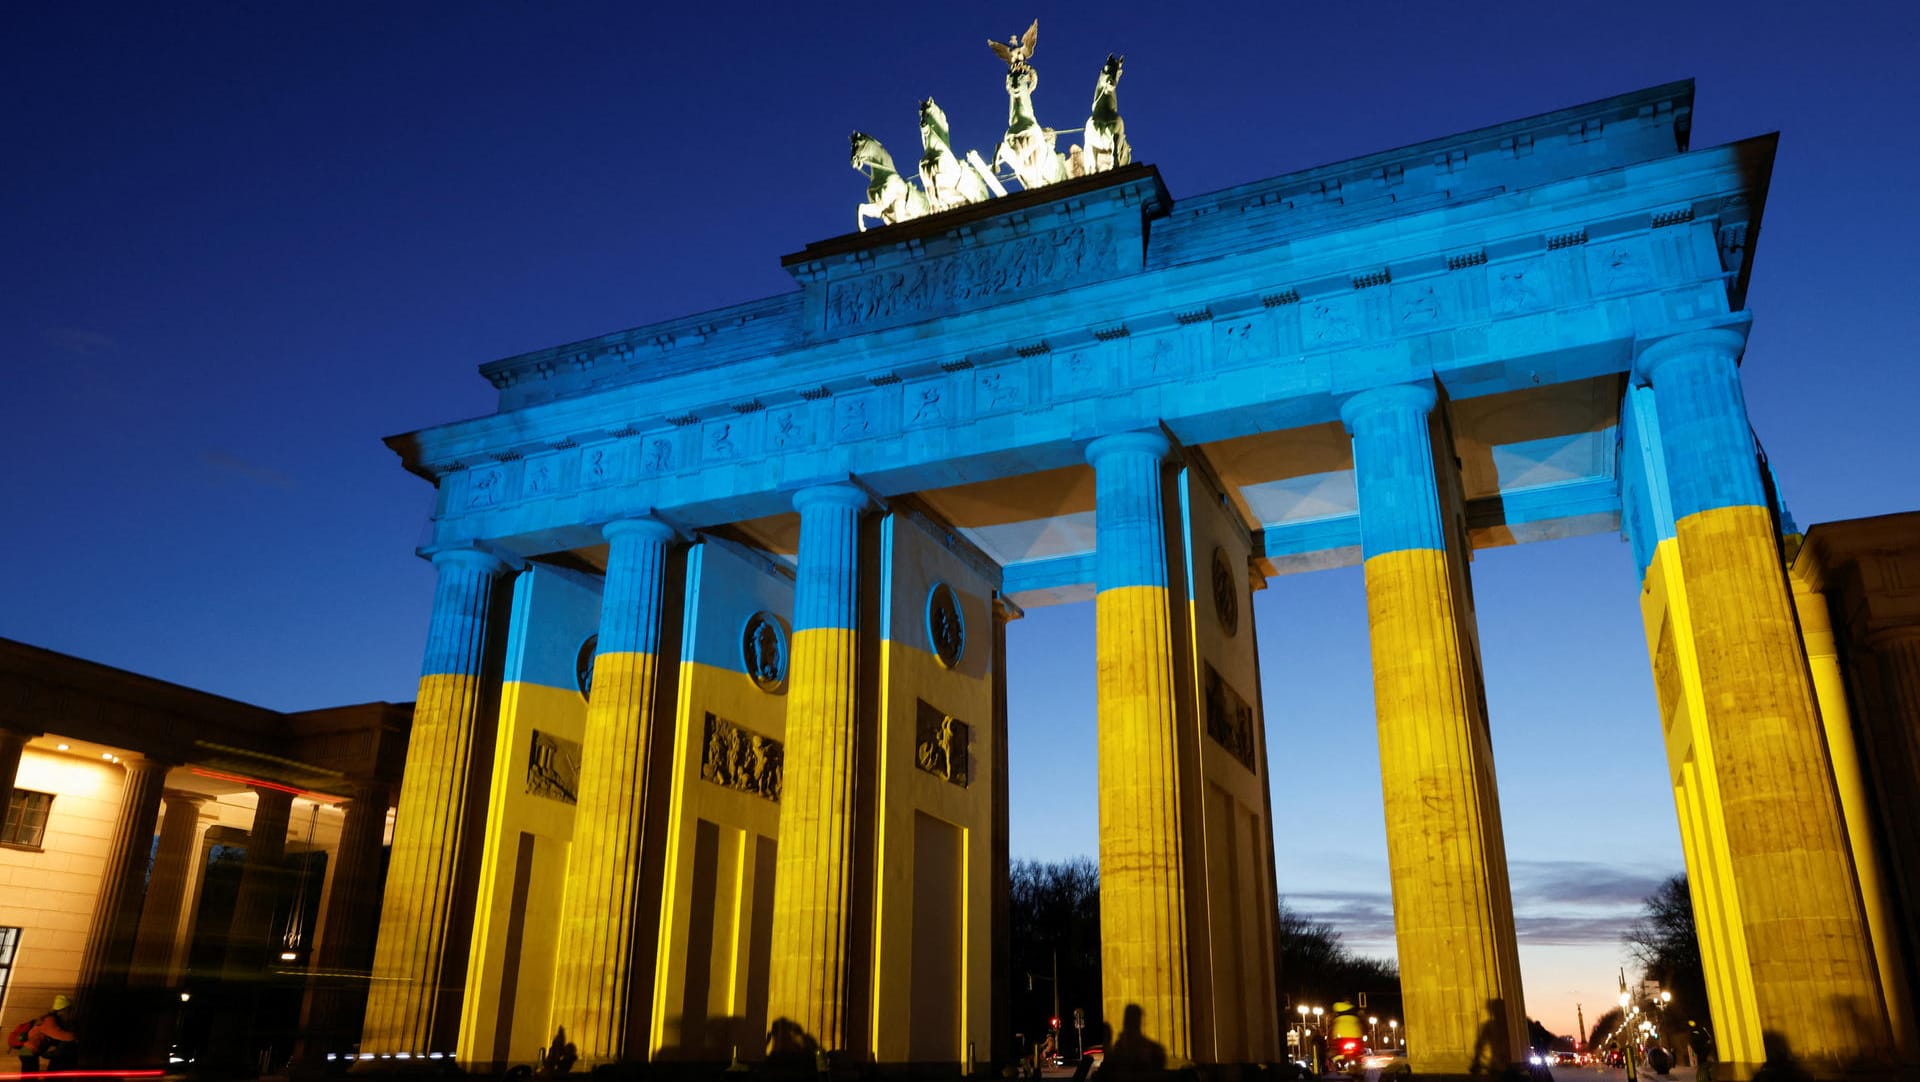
<point>764,812</point>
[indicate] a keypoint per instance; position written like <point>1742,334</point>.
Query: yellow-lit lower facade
<point>870,758</point>
<point>1760,791</point>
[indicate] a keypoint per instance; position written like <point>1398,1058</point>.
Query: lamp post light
<point>1303,1032</point>
<point>1626,1004</point>
<point>1373,1031</point>
<point>1393,1032</point>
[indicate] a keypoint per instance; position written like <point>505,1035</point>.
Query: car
<point>1385,1064</point>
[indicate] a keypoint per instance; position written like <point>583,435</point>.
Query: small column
<point>807,984</point>
<point>598,965</point>
<point>1452,913</point>
<point>1145,987</point>
<point>12,743</point>
<point>334,1005</point>
<point>251,927</point>
<point>1811,961</point>
<point>405,993</point>
<point>1001,927</point>
<point>116,915</point>
<point>167,889</point>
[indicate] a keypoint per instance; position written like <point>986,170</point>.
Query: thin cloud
<point>76,340</point>
<point>1581,883</point>
<point>234,466</point>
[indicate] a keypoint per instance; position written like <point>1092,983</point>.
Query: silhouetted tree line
<point>1314,967</point>
<point>1667,947</point>
<point>1054,911</point>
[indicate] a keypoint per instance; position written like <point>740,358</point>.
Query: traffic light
<point>1055,1021</point>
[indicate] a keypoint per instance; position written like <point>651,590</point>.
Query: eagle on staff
<point>1018,49</point>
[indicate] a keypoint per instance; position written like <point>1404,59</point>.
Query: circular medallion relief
<point>946,628</point>
<point>1226,593</point>
<point>763,650</point>
<point>583,665</point>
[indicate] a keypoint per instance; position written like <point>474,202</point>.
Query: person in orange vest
<point>49,1039</point>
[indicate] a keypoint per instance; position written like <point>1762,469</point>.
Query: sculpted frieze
<point>541,476</point>
<point>944,283</point>
<point>926,403</point>
<point>787,428</point>
<point>1230,721</point>
<point>997,389</point>
<point>1079,371</point>
<point>1331,321</point>
<point>742,760</point>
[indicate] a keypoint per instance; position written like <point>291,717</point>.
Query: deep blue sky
<point>239,243</point>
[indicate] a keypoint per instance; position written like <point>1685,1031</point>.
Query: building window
<point>26,821</point>
<point>9,947</point>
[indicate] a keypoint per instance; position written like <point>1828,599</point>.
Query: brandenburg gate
<point>710,759</point>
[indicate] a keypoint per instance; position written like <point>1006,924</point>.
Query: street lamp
<point>1393,1031</point>
<point>1373,1031</point>
<point>1303,1032</point>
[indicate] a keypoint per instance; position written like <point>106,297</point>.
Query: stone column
<point>405,993</point>
<point>12,743</point>
<point>159,926</point>
<point>598,966</point>
<point>1145,986</point>
<point>334,1004</point>
<point>1812,964</point>
<point>116,914</point>
<point>807,982</point>
<point>250,930</point>
<point>1459,968</point>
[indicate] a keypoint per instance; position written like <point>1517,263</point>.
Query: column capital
<point>184,796</point>
<point>835,494</point>
<point>145,764</point>
<point>1717,344</point>
<point>1149,442</point>
<point>643,527</point>
<point>472,557</point>
<point>1362,408</point>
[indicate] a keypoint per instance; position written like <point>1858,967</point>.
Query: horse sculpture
<point>1027,148</point>
<point>1106,133</point>
<point>947,181</point>
<point>889,197</point>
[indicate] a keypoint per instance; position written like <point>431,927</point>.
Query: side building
<point>198,875</point>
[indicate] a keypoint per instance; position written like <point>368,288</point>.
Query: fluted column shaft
<point>346,939</point>
<point>807,984</point>
<point>597,968</point>
<point>251,926</point>
<point>1143,926</point>
<point>423,867</point>
<point>116,914</point>
<point>1452,911</point>
<point>1812,964</point>
<point>167,888</point>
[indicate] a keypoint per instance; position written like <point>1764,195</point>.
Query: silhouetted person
<point>1493,1035</point>
<point>560,1055</point>
<point>789,1047</point>
<point>1132,1053</point>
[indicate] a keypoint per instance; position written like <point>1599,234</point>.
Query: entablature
<point>1493,281</point>
<point>900,273</point>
